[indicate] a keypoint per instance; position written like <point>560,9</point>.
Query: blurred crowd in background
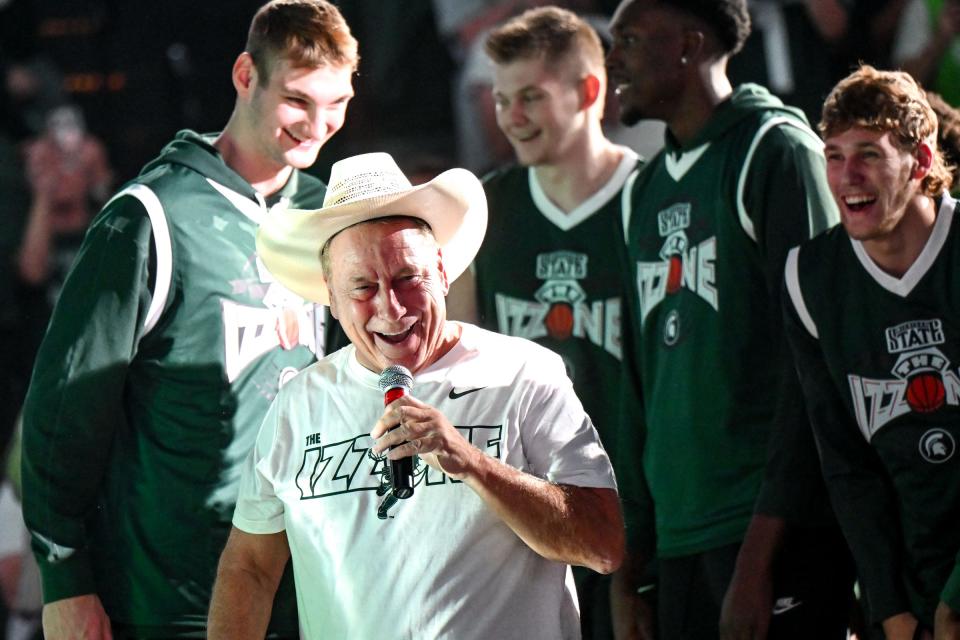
<point>91,89</point>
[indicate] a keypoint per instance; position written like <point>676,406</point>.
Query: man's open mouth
<point>858,202</point>
<point>394,338</point>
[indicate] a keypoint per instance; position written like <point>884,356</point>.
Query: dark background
<point>140,71</point>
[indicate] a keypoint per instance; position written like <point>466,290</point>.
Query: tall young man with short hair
<point>168,343</point>
<point>872,320</point>
<point>739,182</point>
<point>550,267</point>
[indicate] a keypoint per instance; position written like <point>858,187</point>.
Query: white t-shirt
<point>443,565</point>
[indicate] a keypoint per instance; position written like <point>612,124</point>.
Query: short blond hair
<point>550,33</point>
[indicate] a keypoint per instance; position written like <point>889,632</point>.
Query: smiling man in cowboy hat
<point>515,485</point>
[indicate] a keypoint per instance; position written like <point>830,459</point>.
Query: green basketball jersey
<point>710,225</point>
<point>166,348</point>
<point>879,358</point>
<point>556,278</point>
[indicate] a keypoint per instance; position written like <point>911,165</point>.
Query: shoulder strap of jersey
<point>162,245</point>
<point>792,276</point>
<point>745,221</point>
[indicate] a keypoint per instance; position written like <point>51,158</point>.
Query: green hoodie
<point>707,367</point>
<point>168,343</point>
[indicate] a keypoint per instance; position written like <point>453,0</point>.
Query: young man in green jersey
<point>168,343</point>
<point>873,323</point>
<point>744,547</point>
<point>550,267</point>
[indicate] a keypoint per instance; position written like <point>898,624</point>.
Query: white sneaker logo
<point>782,605</point>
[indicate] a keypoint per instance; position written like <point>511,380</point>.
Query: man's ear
<point>924,158</point>
<point>693,43</point>
<point>244,75</point>
<point>591,90</point>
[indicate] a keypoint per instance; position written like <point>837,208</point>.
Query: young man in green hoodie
<point>168,343</point>
<point>709,380</point>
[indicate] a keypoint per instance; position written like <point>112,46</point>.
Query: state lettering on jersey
<point>334,468</point>
<point>922,380</point>
<point>561,308</point>
<point>681,265</point>
<point>283,321</point>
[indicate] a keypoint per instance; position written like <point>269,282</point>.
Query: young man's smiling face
<point>538,107</point>
<point>872,179</point>
<point>387,287</point>
<point>296,110</point>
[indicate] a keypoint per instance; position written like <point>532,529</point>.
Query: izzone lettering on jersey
<point>682,265</point>
<point>922,378</point>
<point>562,308</point>
<point>284,320</point>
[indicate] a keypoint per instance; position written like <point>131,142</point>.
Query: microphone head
<point>395,376</point>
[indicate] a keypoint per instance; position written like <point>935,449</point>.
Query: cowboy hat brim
<point>453,204</point>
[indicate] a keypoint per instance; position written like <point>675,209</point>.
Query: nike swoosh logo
<point>454,395</point>
<point>785,604</point>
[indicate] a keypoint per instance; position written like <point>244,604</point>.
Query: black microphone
<point>395,382</point>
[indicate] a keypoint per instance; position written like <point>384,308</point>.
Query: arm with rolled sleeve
<point>75,401</point>
<point>575,516</point>
<point>859,489</point>
<point>564,504</point>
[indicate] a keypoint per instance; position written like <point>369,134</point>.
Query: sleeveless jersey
<point>880,361</point>
<point>556,278</point>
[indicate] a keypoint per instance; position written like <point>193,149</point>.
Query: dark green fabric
<point>897,495</point>
<point>704,314</point>
<point>134,440</point>
<point>559,288</point>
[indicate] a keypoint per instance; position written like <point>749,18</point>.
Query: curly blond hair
<point>887,101</point>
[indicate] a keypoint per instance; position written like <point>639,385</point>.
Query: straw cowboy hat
<point>362,188</point>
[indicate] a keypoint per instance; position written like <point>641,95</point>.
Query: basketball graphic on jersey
<point>674,274</point>
<point>561,290</point>
<point>559,321</point>
<point>925,392</point>
<point>672,224</point>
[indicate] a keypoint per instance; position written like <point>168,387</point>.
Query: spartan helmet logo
<point>671,328</point>
<point>937,446</point>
